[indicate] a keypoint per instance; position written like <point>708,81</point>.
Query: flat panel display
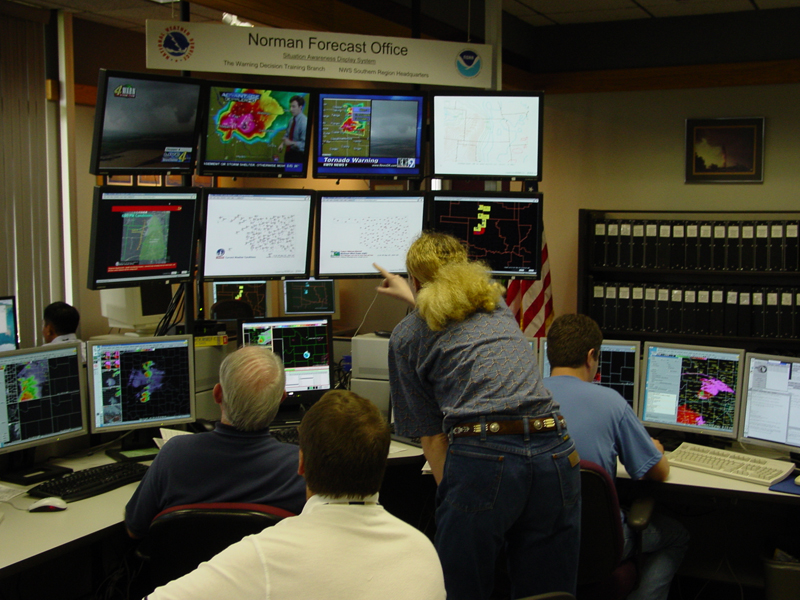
<point>255,131</point>
<point>255,293</point>
<point>369,134</point>
<point>357,229</point>
<point>142,234</point>
<point>310,297</point>
<point>504,230</point>
<point>141,382</point>
<point>9,336</point>
<point>491,135</point>
<point>257,233</point>
<point>145,124</point>
<point>42,396</point>
<point>691,388</point>
<point>771,402</point>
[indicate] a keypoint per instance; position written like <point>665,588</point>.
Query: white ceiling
<point>132,14</point>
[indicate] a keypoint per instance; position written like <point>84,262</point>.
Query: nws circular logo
<point>176,43</point>
<point>468,63</point>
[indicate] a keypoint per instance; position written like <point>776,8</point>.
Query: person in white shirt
<point>344,545</point>
<point>60,323</point>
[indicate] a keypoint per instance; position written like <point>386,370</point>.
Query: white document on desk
<point>9,493</point>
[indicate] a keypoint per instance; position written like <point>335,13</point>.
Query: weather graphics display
<point>144,237</point>
<point>309,296</point>
<point>617,370</point>
<point>252,292</point>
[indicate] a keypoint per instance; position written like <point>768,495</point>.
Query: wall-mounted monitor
<point>9,336</point>
<point>502,229</point>
<point>255,293</point>
<point>145,124</point>
<point>257,233</point>
<point>142,234</point>
<point>255,131</point>
<point>305,344</point>
<point>771,402</point>
<point>139,383</point>
<point>356,229</point>
<point>310,297</point>
<point>691,388</point>
<point>369,134</point>
<point>618,367</point>
<point>487,135</point>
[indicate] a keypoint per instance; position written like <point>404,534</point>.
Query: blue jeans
<point>514,491</point>
<point>664,543</point>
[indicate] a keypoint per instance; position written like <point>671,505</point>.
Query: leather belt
<point>537,425</point>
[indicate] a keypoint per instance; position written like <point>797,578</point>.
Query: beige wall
<point>605,151</point>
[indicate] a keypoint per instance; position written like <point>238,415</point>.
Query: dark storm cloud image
<point>394,128</point>
<point>724,149</point>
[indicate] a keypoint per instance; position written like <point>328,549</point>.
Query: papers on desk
<point>8,493</point>
<point>167,435</point>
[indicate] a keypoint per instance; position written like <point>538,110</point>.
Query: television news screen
<point>142,234</point>
<point>502,229</point>
<point>255,131</point>
<point>145,124</point>
<point>257,233</point>
<point>691,388</point>
<point>142,382</point>
<point>487,135</point>
<point>369,134</point>
<point>9,337</point>
<point>356,229</point>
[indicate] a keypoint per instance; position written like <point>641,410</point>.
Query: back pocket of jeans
<point>471,479</point>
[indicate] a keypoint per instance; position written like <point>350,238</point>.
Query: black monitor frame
<point>105,152</point>
<point>15,328</point>
<point>439,129</point>
<point>260,167</point>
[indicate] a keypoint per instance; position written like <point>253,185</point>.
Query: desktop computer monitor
<point>42,397</point>
<point>771,402</point>
<point>137,383</point>
<point>305,344</point>
<point>9,338</point>
<point>618,368</point>
<point>691,388</point>
<point>310,297</point>
<point>255,293</point>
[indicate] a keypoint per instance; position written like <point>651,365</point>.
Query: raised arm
<point>395,286</point>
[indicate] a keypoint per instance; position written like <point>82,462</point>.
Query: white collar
<point>62,339</point>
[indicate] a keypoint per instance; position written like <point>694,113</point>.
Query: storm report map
<point>40,398</point>
<point>144,237</point>
<point>500,231</point>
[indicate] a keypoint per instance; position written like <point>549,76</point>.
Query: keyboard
<point>286,434</point>
<point>726,463</point>
<point>90,482</point>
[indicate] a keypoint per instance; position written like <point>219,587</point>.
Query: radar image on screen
<point>707,396</point>
<point>144,385</point>
<point>297,346</point>
<point>144,237</point>
<point>41,398</point>
<point>501,232</point>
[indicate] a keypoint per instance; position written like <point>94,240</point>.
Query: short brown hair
<point>345,443</point>
<point>570,338</point>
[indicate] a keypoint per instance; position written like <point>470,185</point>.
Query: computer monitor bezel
<point>535,198</point>
<point>437,127</point>
<point>207,193</point>
<point>286,283</point>
<point>72,349</point>
<point>706,431</point>
<point>101,237</point>
<point>16,321</point>
<point>745,401</point>
<point>398,268</point>
<point>269,169</point>
<point>353,172</point>
<point>130,425</point>
<point>95,163</point>
<point>304,398</point>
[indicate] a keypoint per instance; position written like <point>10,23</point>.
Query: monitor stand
<point>136,447</point>
<point>24,471</point>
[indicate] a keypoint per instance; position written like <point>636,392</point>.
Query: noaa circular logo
<point>176,43</point>
<point>468,63</point>
<point>220,253</point>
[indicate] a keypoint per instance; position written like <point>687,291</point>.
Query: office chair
<point>232,309</point>
<point>182,537</point>
<point>602,572</point>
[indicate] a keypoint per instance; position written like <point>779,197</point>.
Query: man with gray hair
<point>239,461</point>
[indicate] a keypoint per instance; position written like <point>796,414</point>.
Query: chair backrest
<point>602,539</point>
<point>232,309</point>
<point>182,537</point>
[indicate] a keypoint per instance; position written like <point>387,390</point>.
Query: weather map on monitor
<point>503,230</point>
<point>252,292</point>
<point>256,132</point>
<point>309,296</point>
<point>8,323</point>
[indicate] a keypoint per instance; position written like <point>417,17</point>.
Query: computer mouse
<point>48,505</point>
<point>383,333</point>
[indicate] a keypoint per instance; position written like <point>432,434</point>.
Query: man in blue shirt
<point>605,428</point>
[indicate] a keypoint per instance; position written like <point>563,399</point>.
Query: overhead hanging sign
<point>295,53</point>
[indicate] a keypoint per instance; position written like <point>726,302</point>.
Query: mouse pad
<point>787,486</point>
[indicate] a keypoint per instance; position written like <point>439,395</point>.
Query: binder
<point>678,246</point>
<point>716,314</point>
<point>796,315</point>
<point>704,247</point>
<point>689,312</point>
<point>692,240</point>
<point>747,243</point>
<point>772,313</point>
<point>661,321</point>
<point>649,312</point>
<point>719,247</point>
<point>625,231</point>
<point>775,247</point>
<point>650,245</point>
<point>786,314</point>
<point>599,244</point>
<point>664,246</point>
<point>791,248</point>
<point>731,320</point>
<point>757,313</point>
<point>624,308</point>
<point>745,313</point>
<point>703,308</point>
<point>675,309</point>
<point>637,308</point>
<point>599,304</point>
<point>761,255</point>
<point>732,258</point>
<point>612,244</point>
<point>637,245</point>
<point>610,313</point>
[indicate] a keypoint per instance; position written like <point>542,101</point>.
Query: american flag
<point>531,301</point>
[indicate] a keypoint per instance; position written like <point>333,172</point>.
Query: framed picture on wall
<point>725,150</point>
